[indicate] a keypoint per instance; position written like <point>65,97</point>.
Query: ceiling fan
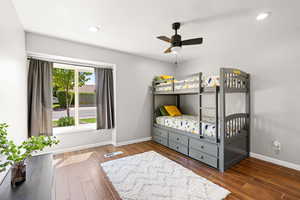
<point>176,42</point>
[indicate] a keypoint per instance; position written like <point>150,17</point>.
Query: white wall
<point>270,52</point>
<point>133,78</point>
<point>13,73</point>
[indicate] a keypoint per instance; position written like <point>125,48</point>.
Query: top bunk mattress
<point>190,83</point>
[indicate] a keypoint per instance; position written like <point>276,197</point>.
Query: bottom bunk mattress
<point>188,123</point>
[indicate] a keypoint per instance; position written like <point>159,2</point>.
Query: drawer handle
<point>177,147</point>
<point>201,157</point>
<point>177,138</point>
<point>202,147</point>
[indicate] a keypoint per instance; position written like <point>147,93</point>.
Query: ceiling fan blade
<point>192,41</point>
<point>164,38</point>
<point>168,50</point>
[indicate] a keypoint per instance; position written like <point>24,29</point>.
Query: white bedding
<point>187,123</point>
<point>190,83</point>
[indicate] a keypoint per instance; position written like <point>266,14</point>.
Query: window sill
<point>73,130</point>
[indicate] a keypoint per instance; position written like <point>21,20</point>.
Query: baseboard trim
<point>275,161</point>
<point>77,148</point>
<point>133,141</point>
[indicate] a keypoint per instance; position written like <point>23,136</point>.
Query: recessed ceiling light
<point>94,28</point>
<point>262,16</point>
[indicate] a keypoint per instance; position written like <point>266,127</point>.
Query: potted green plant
<point>16,155</point>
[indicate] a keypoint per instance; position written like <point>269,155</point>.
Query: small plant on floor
<point>65,121</point>
<point>15,155</point>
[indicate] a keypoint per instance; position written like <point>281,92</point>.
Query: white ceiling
<point>132,25</point>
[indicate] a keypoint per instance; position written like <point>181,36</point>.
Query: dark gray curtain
<point>104,98</point>
<point>40,98</point>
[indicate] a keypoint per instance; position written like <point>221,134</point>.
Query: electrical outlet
<point>276,146</point>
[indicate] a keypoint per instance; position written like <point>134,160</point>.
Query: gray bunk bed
<point>229,143</point>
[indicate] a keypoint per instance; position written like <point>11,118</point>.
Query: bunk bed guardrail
<point>235,125</point>
<point>235,80</point>
<point>173,86</point>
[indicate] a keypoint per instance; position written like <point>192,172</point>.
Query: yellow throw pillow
<point>173,111</point>
<point>165,77</point>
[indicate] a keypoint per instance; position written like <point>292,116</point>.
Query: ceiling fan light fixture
<point>176,42</point>
<point>176,50</point>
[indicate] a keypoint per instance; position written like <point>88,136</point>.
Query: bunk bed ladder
<point>215,122</point>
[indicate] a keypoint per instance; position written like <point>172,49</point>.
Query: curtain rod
<point>69,61</point>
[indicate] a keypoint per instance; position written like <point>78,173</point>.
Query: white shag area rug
<point>151,176</point>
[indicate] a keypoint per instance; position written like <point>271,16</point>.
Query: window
<point>74,98</point>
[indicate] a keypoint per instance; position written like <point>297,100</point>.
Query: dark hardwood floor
<point>80,177</point>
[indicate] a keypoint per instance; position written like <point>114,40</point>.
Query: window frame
<point>77,128</point>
